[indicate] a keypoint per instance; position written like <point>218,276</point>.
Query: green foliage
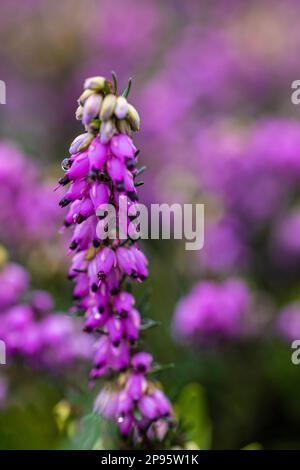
<point>191,408</point>
<point>253,446</point>
<point>88,433</point>
<point>94,433</point>
<point>27,422</point>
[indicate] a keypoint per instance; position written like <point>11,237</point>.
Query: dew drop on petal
<point>65,164</point>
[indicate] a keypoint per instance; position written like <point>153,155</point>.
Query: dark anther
<point>93,175</point>
<point>120,186</point>
<point>87,329</point>
<point>64,180</point>
<point>73,245</point>
<point>101,275</point>
<point>102,216</point>
<point>64,202</point>
<point>130,164</point>
<point>132,195</point>
<point>79,219</point>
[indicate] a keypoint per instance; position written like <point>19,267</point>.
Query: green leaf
<point>115,81</point>
<point>89,432</point>
<point>253,446</point>
<point>191,407</point>
<point>79,313</point>
<point>141,170</point>
<point>143,304</point>
<point>127,89</point>
<point>139,183</point>
<point>161,367</point>
<point>148,323</point>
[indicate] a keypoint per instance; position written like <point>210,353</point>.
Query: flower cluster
<point>102,169</point>
<point>265,158</point>
<point>252,233</point>
<point>212,311</point>
<point>134,399</point>
<point>21,190</point>
<point>31,330</point>
<point>288,322</point>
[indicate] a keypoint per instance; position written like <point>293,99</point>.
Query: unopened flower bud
<point>81,142</point>
<point>121,108</point>
<point>79,113</point>
<point>93,126</point>
<point>107,130</point>
<point>84,96</point>
<point>108,107</point>
<point>91,108</point>
<point>133,118</point>
<point>95,83</point>
<point>124,127</point>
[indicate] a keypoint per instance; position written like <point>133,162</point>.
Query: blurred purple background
<point>212,83</point>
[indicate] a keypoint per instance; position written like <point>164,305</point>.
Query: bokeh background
<point>212,83</point>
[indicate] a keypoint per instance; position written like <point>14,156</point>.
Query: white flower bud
<point>121,108</point>
<point>91,108</point>
<point>133,118</point>
<point>84,96</point>
<point>95,83</point>
<point>79,113</point>
<point>124,127</point>
<point>81,142</point>
<point>107,130</point>
<point>108,107</point>
<point>93,126</point>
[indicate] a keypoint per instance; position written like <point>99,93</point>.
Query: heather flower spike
<point>101,168</point>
